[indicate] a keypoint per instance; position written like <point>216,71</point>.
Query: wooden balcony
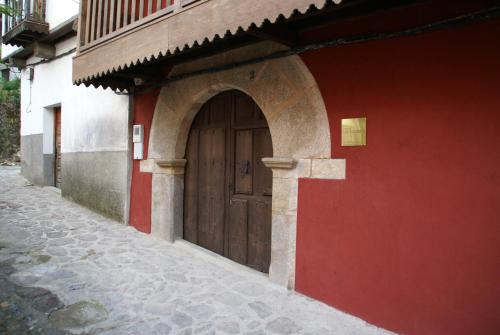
<point>27,24</point>
<point>105,19</point>
<point>120,38</point>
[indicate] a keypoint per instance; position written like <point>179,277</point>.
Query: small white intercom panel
<point>138,140</point>
<point>138,136</point>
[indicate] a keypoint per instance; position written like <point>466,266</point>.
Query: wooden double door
<point>228,190</point>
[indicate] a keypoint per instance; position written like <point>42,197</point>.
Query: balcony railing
<point>33,10</point>
<point>26,23</point>
<point>103,19</point>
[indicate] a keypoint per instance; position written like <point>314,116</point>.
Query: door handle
<point>244,167</point>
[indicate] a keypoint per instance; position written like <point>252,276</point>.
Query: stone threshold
<point>224,262</point>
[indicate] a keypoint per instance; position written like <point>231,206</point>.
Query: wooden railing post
<point>141,9</point>
<point>106,15</point>
<point>6,20</point>
<point>100,18</point>
<point>112,16</point>
<point>177,5</point>
<point>20,9</point>
<point>26,7</point>
<point>118,14</point>
<point>82,24</point>
<point>134,5</point>
<point>125,12</point>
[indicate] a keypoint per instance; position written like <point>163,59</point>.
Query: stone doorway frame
<point>290,99</point>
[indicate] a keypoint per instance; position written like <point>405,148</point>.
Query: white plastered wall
<point>58,11</point>
<point>92,119</point>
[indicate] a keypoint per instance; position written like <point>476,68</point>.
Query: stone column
<point>167,197</point>
<point>284,219</point>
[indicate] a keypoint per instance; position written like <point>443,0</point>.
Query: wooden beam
<point>144,72</point>
<point>44,50</point>
<point>114,83</point>
<point>279,34</point>
<point>17,62</point>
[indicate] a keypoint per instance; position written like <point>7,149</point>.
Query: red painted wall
<point>140,192</point>
<point>410,241</point>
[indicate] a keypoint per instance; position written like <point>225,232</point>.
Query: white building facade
<point>72,137</point>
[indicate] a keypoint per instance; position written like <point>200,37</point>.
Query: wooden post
<point>118,14</point>
<point>43,6</point>
<point>125,13</point>
<point>82,20</point>
<point>99,20</point>
<point>16,7</point>
<point>94,20</point>
<point>106,15</point>
<point>20,9</point>
<point>150,7</point>
<point>112,12</point>
<point>6,18</point>
<point>141,9</point>
<point>134,5</point>
<point>26,8</point>
<point>177,5</point>
<point>88,14</point>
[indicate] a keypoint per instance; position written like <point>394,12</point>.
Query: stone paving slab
<point>111,279</point>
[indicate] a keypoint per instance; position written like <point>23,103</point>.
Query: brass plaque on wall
<point>354,132</point>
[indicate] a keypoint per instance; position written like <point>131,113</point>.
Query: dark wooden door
<point>57,144</point>
<point>227,205</point>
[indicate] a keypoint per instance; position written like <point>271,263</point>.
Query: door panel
<point>259,235</point>
<point>211,188</point>
<point>243,162</point>
<point>238,231</point>
<point>245,108</point>
<point>263,178</point>
<point>227,207</point>
<point>191,189</point>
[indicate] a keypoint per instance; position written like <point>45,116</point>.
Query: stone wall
<point>97,180</point>
<point>32,162</point>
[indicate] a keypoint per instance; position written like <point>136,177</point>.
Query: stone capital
<point>159,166</point>
<point>279,163</point>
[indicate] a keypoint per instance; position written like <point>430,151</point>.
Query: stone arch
<point>283,88</point>
<point>290,99</point>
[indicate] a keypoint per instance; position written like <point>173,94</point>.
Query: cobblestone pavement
<point>65,269</point>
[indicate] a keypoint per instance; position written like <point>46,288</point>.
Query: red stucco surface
<point>410,241</point>
<point>140,193</point>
